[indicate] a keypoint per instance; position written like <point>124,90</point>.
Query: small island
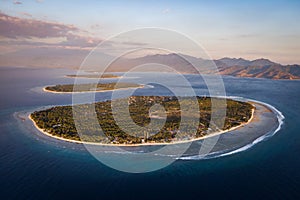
<point>93,76</point>
<point>58,121</point>
<point>100,87</point>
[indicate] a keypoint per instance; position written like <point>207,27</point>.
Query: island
<point>58,121</point>
<point>93,76</point>
<point>90,87</point>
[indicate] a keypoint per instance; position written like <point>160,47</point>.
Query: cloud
<point>95,26</point>
<point>135,43</point>
<point>82,41</point>
<point>25,14</point>
<point>166,11</point>
<point>247,35</point>
<point>24,31</point>
<point>13,27</point>
<point>17,2</point>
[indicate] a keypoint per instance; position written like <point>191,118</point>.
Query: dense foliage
<point>93,76</point>
<point>59,120</point>
<point>90,87</point>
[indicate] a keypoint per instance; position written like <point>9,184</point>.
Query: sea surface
<point>36,167</point>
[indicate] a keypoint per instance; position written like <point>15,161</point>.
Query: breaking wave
<point>280,119</point>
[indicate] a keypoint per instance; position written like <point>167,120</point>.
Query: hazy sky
<point>248,29</point>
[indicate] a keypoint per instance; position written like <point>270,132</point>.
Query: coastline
<point>252,118</point>
<point>55,92</point>
<point>117,77</point>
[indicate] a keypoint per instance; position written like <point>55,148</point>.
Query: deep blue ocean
<point>37,168</point>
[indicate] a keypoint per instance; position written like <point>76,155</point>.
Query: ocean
<point>34,167</point>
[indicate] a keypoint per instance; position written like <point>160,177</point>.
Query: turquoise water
<point>33,167</point>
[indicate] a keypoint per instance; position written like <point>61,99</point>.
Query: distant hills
<point>260,68</point>
<point>238,67</point>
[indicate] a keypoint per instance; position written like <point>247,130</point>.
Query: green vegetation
<point>93,76</point>
<point>59,120</point>
<point>91,87</point>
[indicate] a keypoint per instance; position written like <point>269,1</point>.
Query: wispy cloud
<point>17,2</point>
<point>25,14</point>
<point>95,26</point>
<point>30,31</point>
<point>13,27</point>
<point>166,11</point>
<point>80,41</point>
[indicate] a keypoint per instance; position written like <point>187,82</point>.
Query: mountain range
<point>238,67</point>
<point>260,68</point>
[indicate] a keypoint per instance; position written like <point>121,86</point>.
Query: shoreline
<point>117,77</point>
<point>55,92</point>
<point>148,144</point>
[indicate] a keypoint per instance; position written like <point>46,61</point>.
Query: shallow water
<point>33,167</point>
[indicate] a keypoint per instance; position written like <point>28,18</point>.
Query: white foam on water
<point>280,119</point>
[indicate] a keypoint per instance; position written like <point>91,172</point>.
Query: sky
<point>248,29</point>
